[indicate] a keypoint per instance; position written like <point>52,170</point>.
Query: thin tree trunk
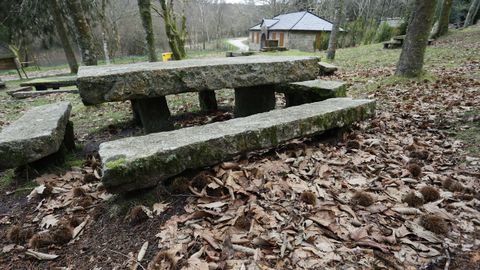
<point>444,19</point>
<point>62,34</point>
<point>85,38</point>
<point>472,11</point>
<point>104,33</point>
<point>410,63</point>
<point>332,42</point>
<point>145,14</point>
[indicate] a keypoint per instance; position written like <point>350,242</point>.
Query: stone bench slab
<point>27,94</point>
<point>51,82</point>
<point>311,91</point>
<point>139,162</point>
<point>37,134</point>
<point>98,84</point>
<point>327,68</point>
<point>327,89</point>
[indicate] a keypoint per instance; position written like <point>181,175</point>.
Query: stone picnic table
<point>146,84</point>
<point>51,82</point>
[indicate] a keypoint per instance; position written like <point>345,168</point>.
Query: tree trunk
<point>85,38</point>
<point>444,19</point>
<point>104,32</point>
<point>472,11</point>
<point>145,14</point>
<point>176,38</point>
<point>410,63</point>
<point>62,34</point>
<point>332,42</point>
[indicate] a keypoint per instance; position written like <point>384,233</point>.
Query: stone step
<point>38,133</point>
<point>27,94</point>
<point>140,162</point>
<point>311,91</point>
<point>327,68</point>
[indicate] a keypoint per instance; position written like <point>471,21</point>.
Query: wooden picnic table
<point>146,84</point>
<point>51,82</point>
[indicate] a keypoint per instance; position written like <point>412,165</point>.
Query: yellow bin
<point>166,56</point>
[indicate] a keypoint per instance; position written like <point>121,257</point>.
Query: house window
<point>274,35</point>
<point>258,37</point>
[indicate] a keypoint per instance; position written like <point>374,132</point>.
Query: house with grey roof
<point>301,30</point>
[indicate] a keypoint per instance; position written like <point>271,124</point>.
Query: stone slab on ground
<point>98,84</point>
<point>18,89</point>
<point>27,94</point>
<point>327,68</point>
<point>51,82</point>
<point>37,134</point>
<point>139,162</point>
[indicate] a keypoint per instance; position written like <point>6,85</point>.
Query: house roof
<point>297,21</point>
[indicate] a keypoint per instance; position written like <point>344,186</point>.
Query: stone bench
<point>140,162</point>
<point>311,91</point>
<point>28,94</point>
<point>51,82</point>
<point>327,68</point>
<point>392,44</point>
<point>147,84</point>
<point>40,132</point>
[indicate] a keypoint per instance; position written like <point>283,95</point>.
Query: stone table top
<point>98,84</point>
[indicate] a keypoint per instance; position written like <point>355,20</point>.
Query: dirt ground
<point>399,191</point>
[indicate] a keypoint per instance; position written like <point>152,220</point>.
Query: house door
<point>281,41</point>
<point>318,41</point>
<point>263,41</point>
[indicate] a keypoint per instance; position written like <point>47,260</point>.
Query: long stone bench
<point>140,162</point>
<point>39,133</point>
<point>311,91</point>
<point>147,84</point>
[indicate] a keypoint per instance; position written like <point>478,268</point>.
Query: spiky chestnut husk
<point>430,194</point>
<point>413,200</point>
<point>414,169</point>
<point>308,197</point>
<point>362,198</point>
<point>434,224</point>
<point>136,215</point>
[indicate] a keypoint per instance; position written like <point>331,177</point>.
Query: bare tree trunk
<point>332,42</point>
<point>145,14</point>
<point>62,34</point>
<point>472,11</point>
<point>176,37</point>
<point>104,30</point>
<point>444,19</point>
<point>410,63</point>
<point>85,38</point>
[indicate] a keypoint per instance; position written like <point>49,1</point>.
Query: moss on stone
<point>115,164</point>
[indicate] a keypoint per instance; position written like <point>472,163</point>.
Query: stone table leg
<point>208,101</point>
<point>295,99</point>
<point>252,100</point>
<point>154,114</point>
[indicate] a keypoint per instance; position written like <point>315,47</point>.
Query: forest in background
<point>29,25</point>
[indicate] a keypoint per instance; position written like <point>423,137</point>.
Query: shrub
<point>384,33</point>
